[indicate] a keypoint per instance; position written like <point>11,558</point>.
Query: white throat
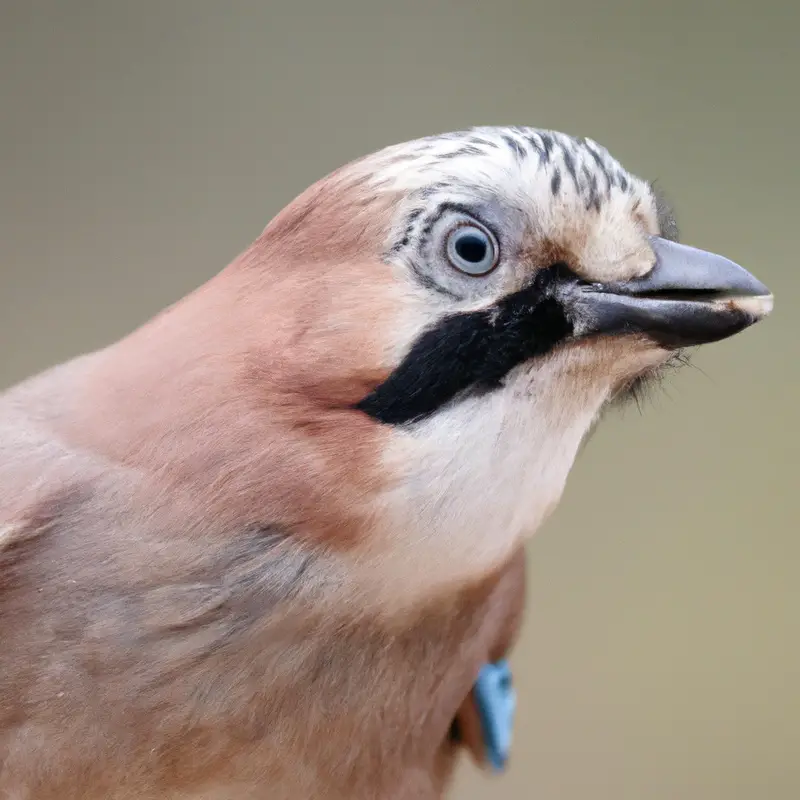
<point>479,477</point>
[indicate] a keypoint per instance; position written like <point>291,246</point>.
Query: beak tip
<point>753,287</point>
<point>756,306</point>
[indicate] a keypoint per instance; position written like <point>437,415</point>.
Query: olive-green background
<point>143,144</point>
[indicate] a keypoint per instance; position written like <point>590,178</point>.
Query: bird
<point>264,545</point>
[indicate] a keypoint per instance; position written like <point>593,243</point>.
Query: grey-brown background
<point>145,143</point>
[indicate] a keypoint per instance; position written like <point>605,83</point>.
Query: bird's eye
<point>472,250</point>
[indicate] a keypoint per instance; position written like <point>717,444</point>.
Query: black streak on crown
<point>472,351</point>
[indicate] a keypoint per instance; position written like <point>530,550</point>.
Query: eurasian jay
<point>264,546</point>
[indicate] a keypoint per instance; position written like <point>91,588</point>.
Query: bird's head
<point>449,316</point>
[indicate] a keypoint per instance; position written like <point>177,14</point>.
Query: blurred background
<point>143,144</point>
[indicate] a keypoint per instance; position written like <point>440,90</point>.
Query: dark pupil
<point>471,248</point>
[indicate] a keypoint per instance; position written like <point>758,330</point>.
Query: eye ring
<point>472,249</point>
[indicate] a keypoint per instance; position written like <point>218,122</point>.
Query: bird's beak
<point>690,297</point>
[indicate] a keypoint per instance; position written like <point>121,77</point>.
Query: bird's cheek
<point>339,351</point>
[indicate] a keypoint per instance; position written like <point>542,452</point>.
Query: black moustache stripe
<point>471,352</point>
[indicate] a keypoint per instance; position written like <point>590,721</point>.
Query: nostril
<point>584,284</point>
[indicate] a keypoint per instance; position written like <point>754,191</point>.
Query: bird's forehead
<point>516,160</point>
<point>571,192</point>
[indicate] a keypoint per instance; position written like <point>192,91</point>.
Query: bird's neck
<point>200,400</point>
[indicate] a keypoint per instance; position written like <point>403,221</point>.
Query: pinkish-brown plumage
<point>224,573</point>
